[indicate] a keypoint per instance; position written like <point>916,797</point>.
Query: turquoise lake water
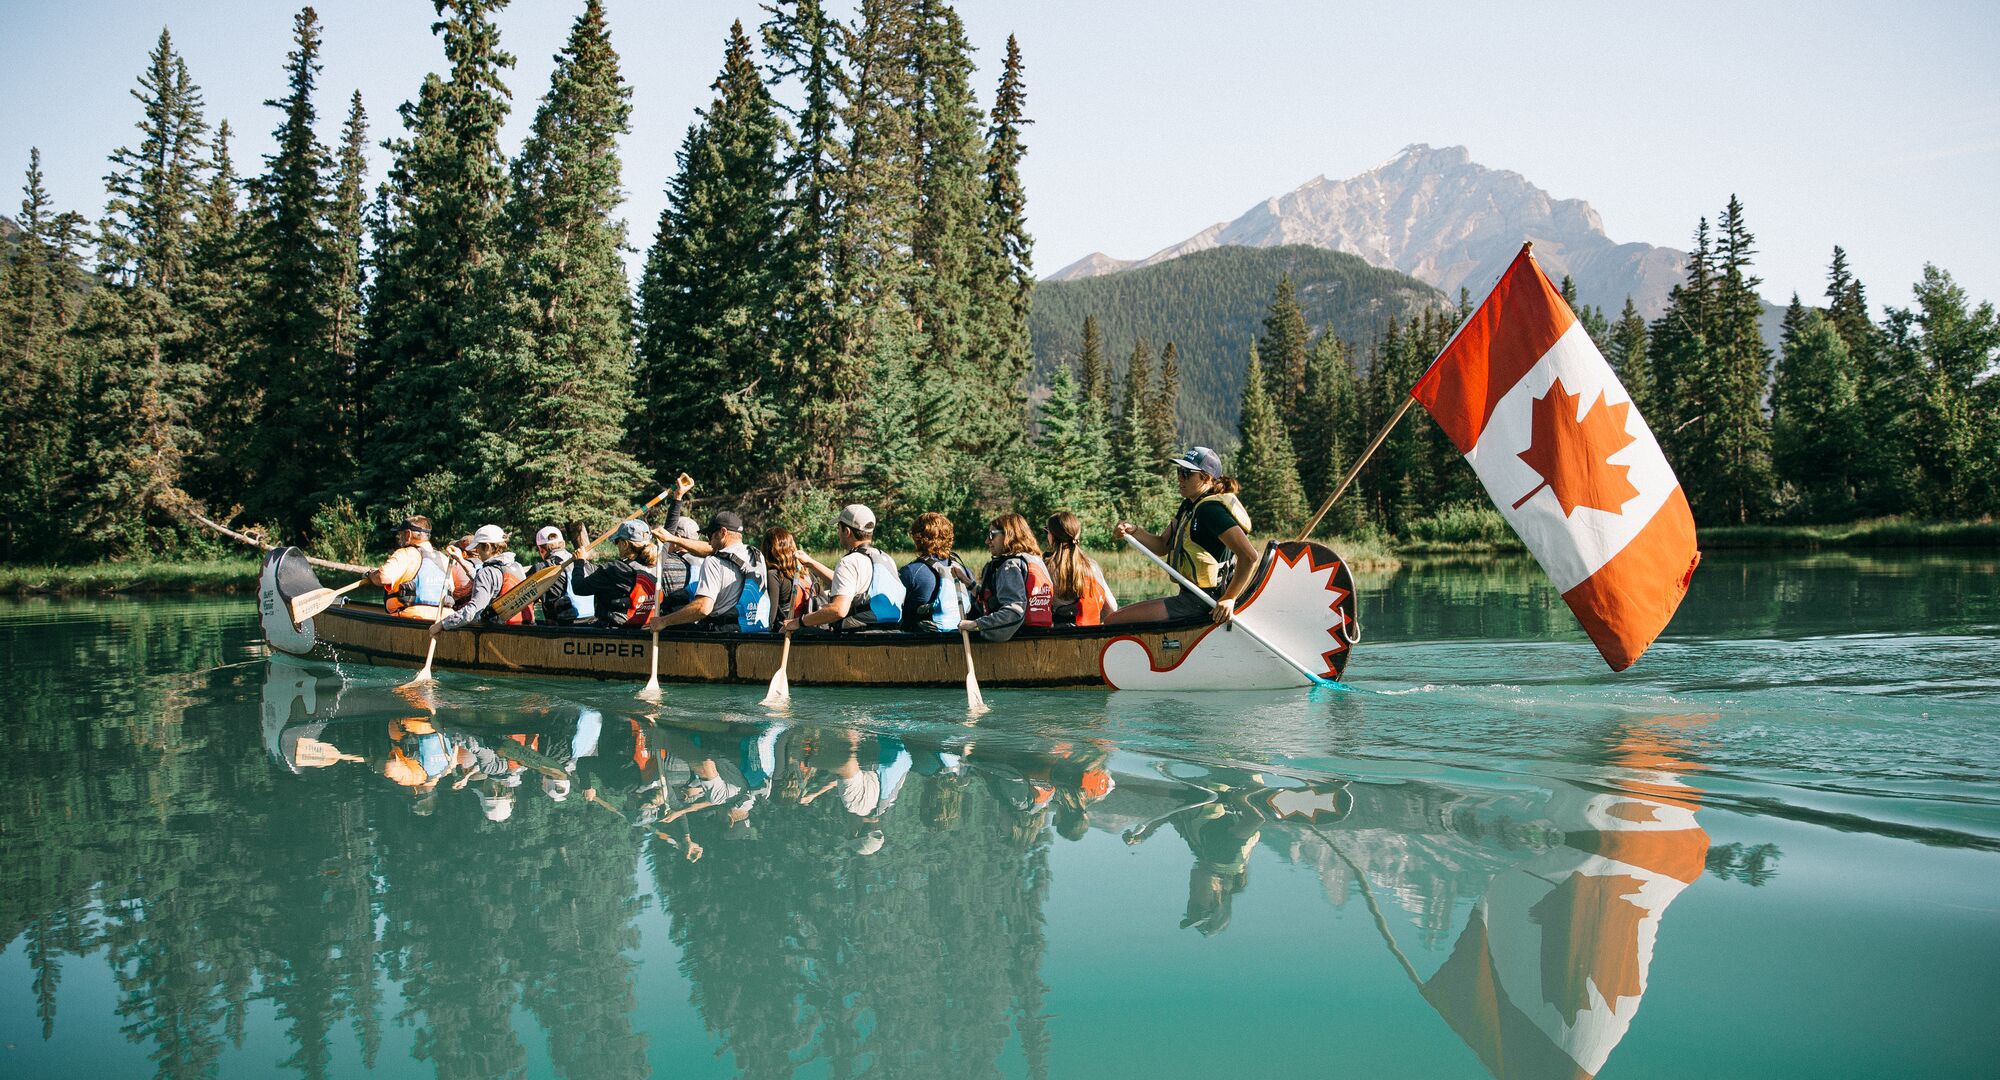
<point>1772,849</point>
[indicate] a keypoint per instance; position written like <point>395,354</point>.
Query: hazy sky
<point>1874,126</point>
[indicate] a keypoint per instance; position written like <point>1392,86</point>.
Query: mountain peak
<point>1435,214</point>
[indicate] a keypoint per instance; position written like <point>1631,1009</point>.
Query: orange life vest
<point>645,595</point>
<point>511,575</point>
<point>1090,602</point>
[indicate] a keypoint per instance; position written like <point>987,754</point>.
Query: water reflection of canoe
<point>1301,600</point>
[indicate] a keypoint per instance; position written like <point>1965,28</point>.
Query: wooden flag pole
<point>1356,468</point>
<point>1527,248</point>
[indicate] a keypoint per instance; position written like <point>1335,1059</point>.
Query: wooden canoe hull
<point>1156,656</point>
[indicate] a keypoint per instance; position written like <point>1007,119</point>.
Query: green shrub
<point>340,532</point>
<point>808,512</point>
<point>1463,523</point>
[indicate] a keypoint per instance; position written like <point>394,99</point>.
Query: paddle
<point>974,702</point>
<point>307,605</point>
<point>651,691</point>
<point>780,694</point>
<point>1311,677</point>
<point>430,651</point>
<point>516,600</point>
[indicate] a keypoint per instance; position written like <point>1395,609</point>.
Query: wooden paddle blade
<point>424,673</point>
<point>516,600</point>
<point>974,700</point>
<point>651,691</point>
<point>307,605</point>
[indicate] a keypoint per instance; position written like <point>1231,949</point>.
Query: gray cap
<point>858,517</point>
<point>684,527</point>
<point>1199,459</point>
<point>634,531</point>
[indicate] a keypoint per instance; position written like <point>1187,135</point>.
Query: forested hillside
<point>1211,305</point>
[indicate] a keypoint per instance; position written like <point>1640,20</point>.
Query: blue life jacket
<point>944,604</point>
<point>426,589</point>
<point>753,601</point>
<point>885,590</point>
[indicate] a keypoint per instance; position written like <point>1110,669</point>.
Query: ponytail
<point>1067,563</point>
<point>1223,485</point>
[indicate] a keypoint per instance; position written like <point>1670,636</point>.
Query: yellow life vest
<point>1190,559</point>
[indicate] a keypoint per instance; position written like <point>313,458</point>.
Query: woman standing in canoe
<point>1208,538</point>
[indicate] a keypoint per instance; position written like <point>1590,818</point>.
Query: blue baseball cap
<point>634,530</point>
<point>1199,459</point>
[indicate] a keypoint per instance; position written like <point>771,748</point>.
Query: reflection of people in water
<point>1221,828</point>
<point>419,755</point>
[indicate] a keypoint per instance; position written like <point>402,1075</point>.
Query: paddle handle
<point>1311,676</point>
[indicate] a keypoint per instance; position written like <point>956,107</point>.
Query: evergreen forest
<point>837,304</point>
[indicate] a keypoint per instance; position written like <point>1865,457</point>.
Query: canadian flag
<point>1527,398</point>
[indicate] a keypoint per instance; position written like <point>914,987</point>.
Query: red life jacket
<point>1090,602</point>
<point>461,582</point>
<point>645,595</point>
<point>1040,587</point>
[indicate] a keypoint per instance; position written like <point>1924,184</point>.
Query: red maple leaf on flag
<point>1571,455</point>
<point>1590,937</point>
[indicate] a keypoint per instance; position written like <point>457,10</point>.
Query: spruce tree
<point>1736,455</point>
<point>347,226</point>
<point>1678,356</point>
<point>1005,280</point>
<point>712,348</point>
<point>1816,416</point>
<point>224,281</point>
<point>439,301</point>
<point>1400,473</point>
<point>39,299</point>
<point>1284,347</point>
<point>948,244</point>
<point>1326,448</point>
<point>1946,350</point>
<point>802,46</point>
<point>1094,373</point>
<point>556,404</point>
<point>1132,474</point>
<point>873,270</point>
<point>1265,463</point>
<point>1847,306</point>
<point>1627,356</point>
<point>144,388</point>
<point>295,452</point>
<point>1067,470</point>
<point>1162,424</point>
<point>1591,316</point>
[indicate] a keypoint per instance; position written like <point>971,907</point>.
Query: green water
<point>1771,849</point>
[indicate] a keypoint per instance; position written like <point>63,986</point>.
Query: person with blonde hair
<point>625,591</point>
<point>1082,598</point>
<point>1014,588</point>
<point>937,587</point>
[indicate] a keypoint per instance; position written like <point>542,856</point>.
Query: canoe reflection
<point>875,898</point>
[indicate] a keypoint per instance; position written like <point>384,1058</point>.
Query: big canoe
<point>1301,600</point>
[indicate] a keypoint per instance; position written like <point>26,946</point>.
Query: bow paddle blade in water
<point>651,691</point>
<point>975,702</point>
<point>780,693</point>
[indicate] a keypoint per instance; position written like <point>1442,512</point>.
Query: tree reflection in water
<point>846,899</point>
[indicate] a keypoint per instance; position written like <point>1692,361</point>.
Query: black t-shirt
<point>1211,520</point>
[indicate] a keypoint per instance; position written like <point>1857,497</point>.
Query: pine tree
<point>1265,463</point>
<point>1400,473</point>
<point>1627,355</point>
<point>1678,354</point>
<point>1005,281</point>
<point>144,388</point>
<point>1132,458</point>
<point>1815,407</point>
<point>556,404</point>
<point>1946,351</point>
<point>224,281</point>
<point>711,346</point>
<point>439,301</point>
<point>1067,469</point>
<point>1326,445</point>
<point>948,244</point>
<point>873,270</point>
<point>1285,342</point>
<point>802,44</point>
<point>295,452</point>
<point>347,224</point>
<point>1736,458</point>
<point>1095,375</point>
<point>1847,306</point>
<point>1162,412</point>
<point>39,300</point>
<point>1591,316</point>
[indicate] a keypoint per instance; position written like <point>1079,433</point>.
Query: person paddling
<point>936,585</point>
<point>1209,535</point>
<point>732,589</point>
<point>1014,588</point>
<point>494,571</point>
<point>866,592</point>
<point>414,576</point>
<point>626,590</point>
<point>558,605</point>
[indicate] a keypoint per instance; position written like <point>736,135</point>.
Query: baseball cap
<point>549,534</point>
<point>684,527</point>
<point>634,531</point>
<point>1199,459</point>
<point>489,534</point>
<point>858,517</point>
<point>724,519</point>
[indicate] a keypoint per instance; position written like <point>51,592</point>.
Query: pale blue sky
<point>1870,125</point>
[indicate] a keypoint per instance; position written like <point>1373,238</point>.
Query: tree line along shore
<point>833,308</point>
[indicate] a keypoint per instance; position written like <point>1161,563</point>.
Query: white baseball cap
<point>858,517</point>
<point>548,535</point>
<point>489,534</point>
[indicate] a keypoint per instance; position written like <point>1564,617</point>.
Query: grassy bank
<point>1888,533</point>
<point>205,576</point>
